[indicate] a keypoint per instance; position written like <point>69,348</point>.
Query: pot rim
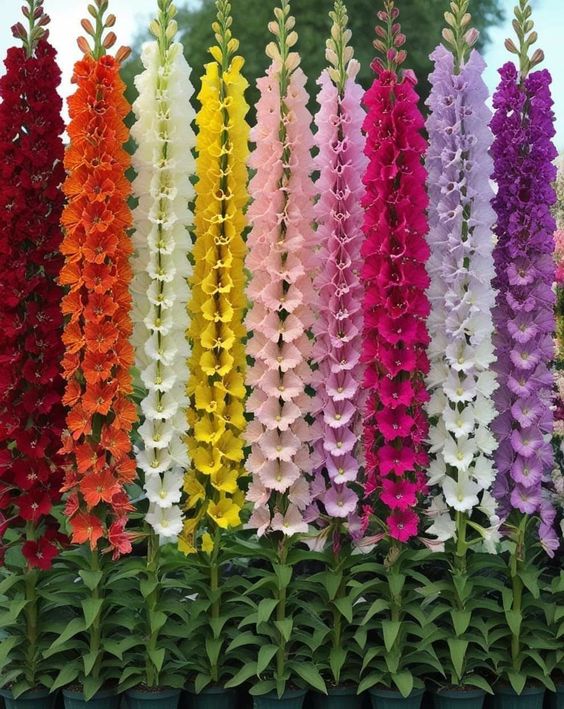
<point>160,693</point>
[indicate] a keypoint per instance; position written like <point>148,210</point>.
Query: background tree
<point>421,22</point>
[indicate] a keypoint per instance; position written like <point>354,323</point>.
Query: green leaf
<point>156,621</point>
<point>337,657</point>
<point>213,648</point>
<point>265,655</point>
<point>6,646</point>
<point>91,608</point>
<point>10,616</point>
<point>201,682</point>
<point>265,609</point>
<point>460,620</point>
<point>244,639</point>
<point>517,681</point>
<point>91,685</point>
<point>390,629</point>
<point>331,582</point>
<point>157,657</point>
<point>284,627</point>
<point>263,687</point>
<point>344,606</point>
<point>377,607</point>
<point>67,675</point>
<point>404,682</point>
<point>478,681</point>
<point>75,626</point>
<point>88,660</point>
<point>147,586</point>
<point>514,619</point>
<point>91,578</point>
<point>369,681</point>
<point>310,675</point>
<point>246,672</point>
<point>284,576</point>
<point>531,580</point>
<point>457,648</point>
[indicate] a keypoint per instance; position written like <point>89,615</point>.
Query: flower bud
<point>471,37</point>
<point>110,21</point>
<point>510,46</point>
<point>87,27</point>
<point>122,54</point>
<point>109,40</point>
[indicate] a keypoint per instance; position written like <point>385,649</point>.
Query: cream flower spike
<point>164,164</point>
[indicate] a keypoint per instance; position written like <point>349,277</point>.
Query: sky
<point>133,15</point>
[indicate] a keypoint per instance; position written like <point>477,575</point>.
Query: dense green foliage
<point>421,22</point>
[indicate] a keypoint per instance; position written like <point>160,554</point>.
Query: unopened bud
<point>391,54</point>
<point>471,37</point>
<point>532,38</point>
<point>510,46</point>
<point>109,40</point>
<point>87,27</point>
<point>122,54</point>
<point>401,56</point>
<point>382,15</point>
<point>538,57</point>
<point>448,35</point>
<point>399,40</point>
<point>172,29</point>
<point>110,21</point>
<point>18,30</point>
<point>83,45</point>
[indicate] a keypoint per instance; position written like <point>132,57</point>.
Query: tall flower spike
<point>282,262</point>
<point>32,416</point>
<point>461,294</point>
<point>394,278</point>
<point>523,152</point>
<point>217,366</point>
<point>338,326</point>
<point>164,165</point>
<point>97,306</point>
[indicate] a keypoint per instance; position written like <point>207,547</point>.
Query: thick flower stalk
<point>338,326</point>
<point>523,152</point>
<point>164,165</point>
<point>31,413</point>
<point>461,379</point>
<point>218,362</point>
<point>394,278</point>
<point>282,261</point>
<point>97,273</point>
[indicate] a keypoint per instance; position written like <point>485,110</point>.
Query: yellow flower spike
<point>217,363</point>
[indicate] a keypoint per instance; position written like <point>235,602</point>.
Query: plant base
<point>291,699</point>
<point>104,699</point>
<point>338,698</point>
<point>148,699</point>
<point>211,698</point>
<point>462,698</point>
<point>530,698</point>
<point>556,699</point>
<point>391,699</point>
<point>36,699</point>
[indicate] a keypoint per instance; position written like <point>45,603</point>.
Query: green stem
<point>337,617</point>
<point>152,601</point>
<point>95,632</point>
<point>461,543</point>
<point>31,617</point>
<point>515,568</point>
<point>215,594</point>
<point>281,616</point>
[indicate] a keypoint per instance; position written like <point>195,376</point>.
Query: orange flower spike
<point>97,306</point>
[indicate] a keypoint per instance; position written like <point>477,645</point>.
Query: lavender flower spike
<point>523,126</point>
